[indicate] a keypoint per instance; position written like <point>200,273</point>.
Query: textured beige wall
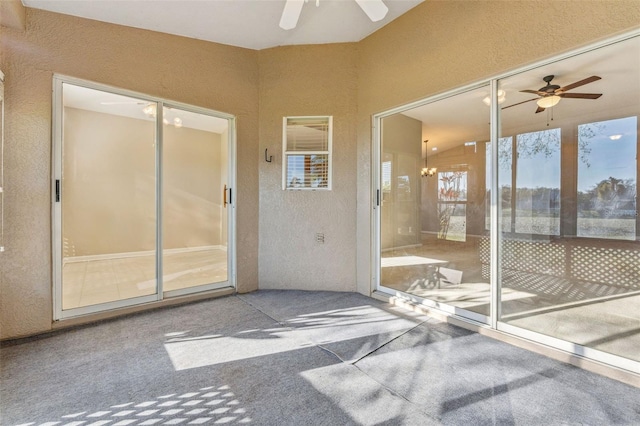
<point>441,45</point>
<point>12,14</point>
<point>205,74</point>
<point>308,80</point>
<point>435,47</point>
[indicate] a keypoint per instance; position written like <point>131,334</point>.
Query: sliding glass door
<point>572,252</point>
<point>194,200</point>
<point>526,208</point>
<point>141,199</point>
<point>432,200</point>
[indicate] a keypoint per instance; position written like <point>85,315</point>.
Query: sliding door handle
<point>224,197</point>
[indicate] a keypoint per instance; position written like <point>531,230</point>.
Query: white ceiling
<point>253,24</point>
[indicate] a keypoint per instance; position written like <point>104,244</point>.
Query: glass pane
<point>433,239</point>
<point>452,216</point>
<point>505,154</point>
<point>195,171</point>
<point>108,195</point>
<point>571,270</point>
<point>307,171</point>
<point>538,182</point>
<point>308,134</point>
<point>607,152</point>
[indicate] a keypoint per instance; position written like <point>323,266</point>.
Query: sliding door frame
<point>56,209</point>
<point>493,322</point>
<point>377,123</point>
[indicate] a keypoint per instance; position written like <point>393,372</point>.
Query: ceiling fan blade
<point>523,102</point>
<point>375,9</point>
<point>540,109</point>
<point>580,95</point>
<point>291,14</point>
<point>579,83</point>
<point>535,92</point>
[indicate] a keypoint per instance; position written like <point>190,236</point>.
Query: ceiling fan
<point>375,10</point>
<point>551,94</point>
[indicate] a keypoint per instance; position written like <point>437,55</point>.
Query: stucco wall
<point>298,81</point>
<point>438,46</point>
<point>435,47</point>
<point>205,74</point>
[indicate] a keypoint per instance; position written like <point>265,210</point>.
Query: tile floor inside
<point>91,282</point>
<point>602,317</point>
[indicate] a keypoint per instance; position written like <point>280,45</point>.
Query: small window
<point>307,153</point>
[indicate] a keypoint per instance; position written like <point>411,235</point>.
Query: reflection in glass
<point>108,198</point>
<point>307,152</point>
<point>452,218</point>
<point>571,267</point>
<point>432,226</point>
<point>194,211</point>
<point>505,155</point>
<point>607,179</point>
<point>537,202</point>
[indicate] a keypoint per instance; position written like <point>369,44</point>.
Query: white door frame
<point>56,208</point>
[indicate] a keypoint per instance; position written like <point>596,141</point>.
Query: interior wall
<point>299,81</point>
<point>192,185</point>
<point>439,46</point>
<point>204,74</point>
<point>402,139</point>
<point>12,14</point>
<point>108,184</point>
<point>435,47</point>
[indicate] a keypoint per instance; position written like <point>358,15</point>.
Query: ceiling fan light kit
<point>549,101</point>
<point>551,94</point>
<point>502,96</point>
<point>426,171</point>
<point>376,10</point>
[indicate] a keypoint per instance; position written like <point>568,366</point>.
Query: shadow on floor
<point>295,358</point>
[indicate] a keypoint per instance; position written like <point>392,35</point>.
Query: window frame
<point>328,152</point>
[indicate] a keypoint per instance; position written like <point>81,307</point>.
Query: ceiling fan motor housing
<point>550,89</point>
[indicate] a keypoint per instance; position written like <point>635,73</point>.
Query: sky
<point>610,158</point>
<point>607,158</point>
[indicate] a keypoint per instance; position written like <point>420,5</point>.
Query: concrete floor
<point>295,358</point>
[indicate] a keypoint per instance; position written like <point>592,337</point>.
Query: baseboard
<point>111,256</point>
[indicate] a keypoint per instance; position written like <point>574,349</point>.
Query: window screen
<point>307,153</point>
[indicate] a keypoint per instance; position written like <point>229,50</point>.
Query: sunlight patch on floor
<point>208,405</point>
<point>192,351</point>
